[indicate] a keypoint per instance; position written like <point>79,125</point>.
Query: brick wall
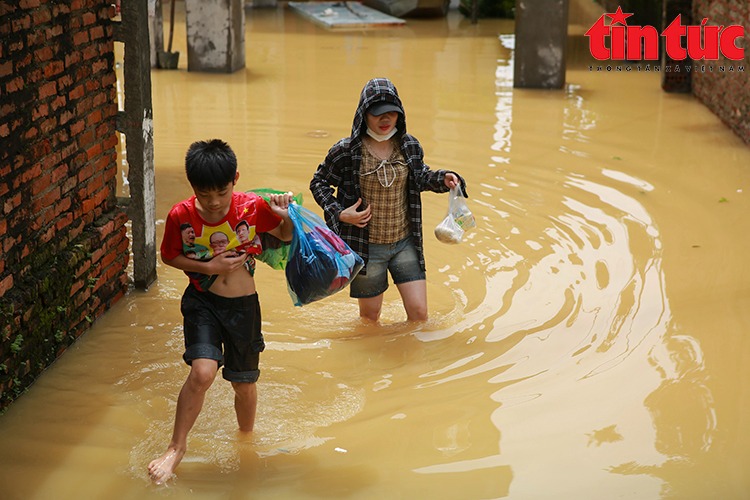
<point>63,238</point>
<point>726,93</point>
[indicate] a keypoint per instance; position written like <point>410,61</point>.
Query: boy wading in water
<point>222,322</point>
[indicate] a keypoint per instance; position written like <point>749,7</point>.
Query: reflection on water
<point>586,340</point>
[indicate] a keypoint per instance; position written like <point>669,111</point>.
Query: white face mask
<point>379,137</point>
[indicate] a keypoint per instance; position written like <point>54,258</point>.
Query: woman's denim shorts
<point>400,259</point>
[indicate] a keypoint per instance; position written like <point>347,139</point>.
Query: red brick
<point>35,225</point>
<point>7,7</point>
<point>42,16</point>
<point>6,68</point>
<point>108,259</point>
<point>53,68</point>
<point>109,79</point>
<point>58,102</point>
<point>77,285</point>
<point>80,38</point>
<point>54,31</point>
<point>64,221</point>
<point>110,142</point>
<point>72,59</point>
<point>85,138</point>
<point>31,133</point>
<point>12,203</point>
<point>90,52</point>
<point>47,90</point>
<point>88,206</point>
<point>94,151</point>
<point>20,24</point>
<point>36,37</point>
<point>77,127</point>
<point>47,235</point>
<point>59,173</point>
<point>40,184</point>
<point>51,161</point>
<point>84,106</point>
<point>66,116</point>
<point>22,61</point>
<point>92,85</point>
<point>77,93</point>
<point>48,125</point>
<point>88,18</point>
<point>46,200</point>
<point>96,32</point>
<point>14,85</point>
<point>6,284</point>
<point>40,111</point>
<point>44,54</point>
<point>8,244</point>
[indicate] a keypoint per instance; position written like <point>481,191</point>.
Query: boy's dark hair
<point>210,164</point>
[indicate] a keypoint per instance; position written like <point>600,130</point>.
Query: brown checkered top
<point>383,184</point>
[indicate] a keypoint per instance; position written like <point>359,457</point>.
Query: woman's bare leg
<point>414,297</point>
<point>370,307</point>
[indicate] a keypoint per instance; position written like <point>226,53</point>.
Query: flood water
<point>589,339</point>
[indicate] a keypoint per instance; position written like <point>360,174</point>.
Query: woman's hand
<point>350,215</point>
<point>451,180</point>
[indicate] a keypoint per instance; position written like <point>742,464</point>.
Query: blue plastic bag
<point>319,263</point>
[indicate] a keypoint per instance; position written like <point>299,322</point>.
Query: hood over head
<point>381,93</point>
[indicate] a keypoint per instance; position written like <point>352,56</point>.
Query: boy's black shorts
<point>226,330</point>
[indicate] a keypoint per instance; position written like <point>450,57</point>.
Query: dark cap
<point>381,107</point>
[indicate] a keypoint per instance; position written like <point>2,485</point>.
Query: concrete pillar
<point>675,76</point>
<point>136,122</point>
<point>215,35</point>
<point>541,37</point>
<point>155,30</point>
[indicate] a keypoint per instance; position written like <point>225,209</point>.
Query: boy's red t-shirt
<point>186,232</point>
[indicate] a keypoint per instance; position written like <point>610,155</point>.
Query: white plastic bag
<point>458,220</point>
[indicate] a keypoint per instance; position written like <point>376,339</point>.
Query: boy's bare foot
<point>161,469</point>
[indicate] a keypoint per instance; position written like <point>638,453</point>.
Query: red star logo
<point>619,17</point>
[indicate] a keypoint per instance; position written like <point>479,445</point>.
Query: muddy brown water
<point>589,339</point>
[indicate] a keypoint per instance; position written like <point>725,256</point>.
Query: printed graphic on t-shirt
<point>214,240</point>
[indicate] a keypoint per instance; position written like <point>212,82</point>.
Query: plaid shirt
<point>335,185</point>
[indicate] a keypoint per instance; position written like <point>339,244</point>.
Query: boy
<point>220,305</point>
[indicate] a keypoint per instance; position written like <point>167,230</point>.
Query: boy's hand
<point>280,202</point>
<point>227,262</point>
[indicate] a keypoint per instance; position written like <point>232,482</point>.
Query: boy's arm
<point>284,230</point>
<point>224,263</point>
<point>279,204</point>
